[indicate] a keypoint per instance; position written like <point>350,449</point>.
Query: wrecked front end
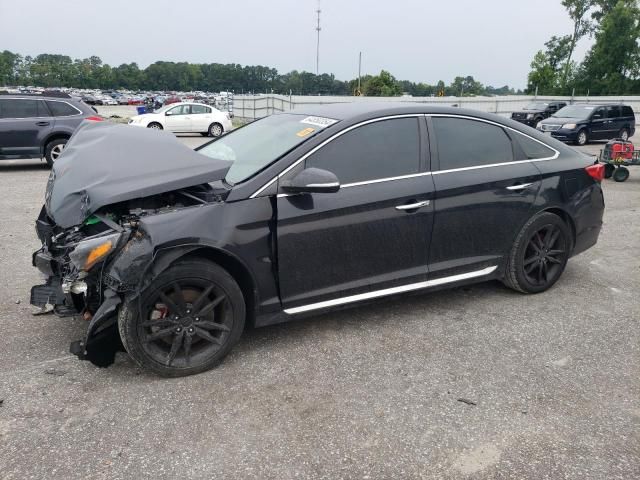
<point>91,268</point>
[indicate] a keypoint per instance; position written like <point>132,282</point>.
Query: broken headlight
<point>90,252</point>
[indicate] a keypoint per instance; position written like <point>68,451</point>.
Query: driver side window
<point>384,149</point>
<point>180,110</point>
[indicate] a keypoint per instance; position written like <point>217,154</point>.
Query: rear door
<point>485,189</point>
<point>24,123</point>
<point>614,121</point>
<point>200,118</point>
<point>365,238</point>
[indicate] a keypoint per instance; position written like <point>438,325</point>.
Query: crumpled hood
<point>106,163</point>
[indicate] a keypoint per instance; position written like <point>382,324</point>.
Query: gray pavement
<point>370,392</point>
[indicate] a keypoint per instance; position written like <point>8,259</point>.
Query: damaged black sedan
<point>169,252</point>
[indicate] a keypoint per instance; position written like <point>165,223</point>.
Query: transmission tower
<point>318,11</point>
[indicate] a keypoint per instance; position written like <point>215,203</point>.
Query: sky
<point>417,40</point>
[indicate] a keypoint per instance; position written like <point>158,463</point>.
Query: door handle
<point>413,206</point>
<point>522,186</point>
<point>42,124</point>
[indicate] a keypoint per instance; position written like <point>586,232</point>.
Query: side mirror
<point>168,114</point>
<point>312,180</point>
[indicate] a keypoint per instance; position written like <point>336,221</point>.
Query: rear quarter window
<point>61,109</point>
<point>531,149</point>
<point>627,111</point>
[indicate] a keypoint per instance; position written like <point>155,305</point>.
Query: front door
<point>178,119</point>
<point>485,189</point>
<point>23,123</point>
<point>369,237</point>
<point>599,124</point>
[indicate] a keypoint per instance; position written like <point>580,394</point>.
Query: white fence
<point>250,107</point>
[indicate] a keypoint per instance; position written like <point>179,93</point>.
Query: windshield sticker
<point>305,132</point>
<point>319,121</point>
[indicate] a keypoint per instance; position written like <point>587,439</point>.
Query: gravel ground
<point>551,382</point>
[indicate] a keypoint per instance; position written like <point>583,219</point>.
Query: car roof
<point>360,110</point>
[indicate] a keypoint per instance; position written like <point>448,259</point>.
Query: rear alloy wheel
<point>621,174</point>
<point>624,134</point>
<point>189,319</point>
<point>608,170</point>
<point>54,149</point>
<point>215,130</point>
<point>539,255</point>
<point>582,138</point>
<point>155,126</point>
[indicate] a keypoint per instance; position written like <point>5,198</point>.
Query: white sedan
<point>186,117</point>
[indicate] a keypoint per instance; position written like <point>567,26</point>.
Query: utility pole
<point>359,91</point>
<point>318,11</point>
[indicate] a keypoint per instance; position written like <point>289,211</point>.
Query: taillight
<point>94,119</point>
<point>596,171</point>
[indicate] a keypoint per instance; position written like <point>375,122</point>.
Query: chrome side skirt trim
<point>390,291</point>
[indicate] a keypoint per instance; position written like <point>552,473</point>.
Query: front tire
<point>582,138</point>
<point>608,170</point>
<point>155,126</point>
<point>539,255</point>
<point>186,321</point>
<point>54,149</point>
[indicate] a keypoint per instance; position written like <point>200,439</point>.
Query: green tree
<point>577,10</point>
<point>543,77</point>
<point>612,64</point>
<point>383,85</point>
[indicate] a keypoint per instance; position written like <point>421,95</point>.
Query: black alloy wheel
<point>539,255</point>
<point>189,319</point>
<point>544,256</point>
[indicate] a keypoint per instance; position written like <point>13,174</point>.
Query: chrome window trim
<point>328,140</point>
<point>402,177</point>
<point>390,291</point>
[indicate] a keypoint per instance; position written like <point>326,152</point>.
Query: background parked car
<point>537,111</point>
<point>584,122</point>
<point>186,117</point>
<point>39,125</point>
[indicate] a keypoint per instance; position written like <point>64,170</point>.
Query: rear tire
<point>624,134</point>
<point>54,149</point>
<point>539,255</point>
<point>186,321</point>
<point>621,174</point>
<point>215,130</point>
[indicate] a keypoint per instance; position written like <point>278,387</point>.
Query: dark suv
<point>39,125</point>
<point>537,111</point>
<point>583,122</point>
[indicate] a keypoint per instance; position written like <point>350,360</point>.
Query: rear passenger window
<point>195,109</point>
<point>613,112</point>
<point>470,143</point>
<point>389,148</point>
<point>61,109</point>
<point>532,149</point>
<point>627,111</point>
<point>19,108</point>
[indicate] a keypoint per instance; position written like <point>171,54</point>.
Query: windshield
<point>536,106</point>
<point>257,145</point>
<point>580,112</point>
